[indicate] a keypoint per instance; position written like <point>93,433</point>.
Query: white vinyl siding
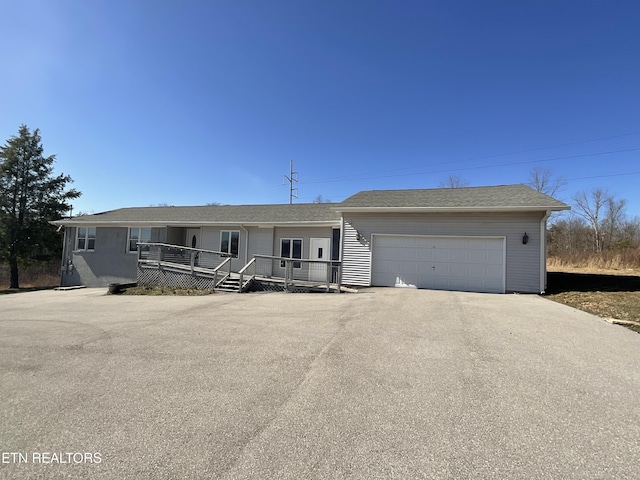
<point>260,241</point>
<point>523,262</point>
<point>356,257</point>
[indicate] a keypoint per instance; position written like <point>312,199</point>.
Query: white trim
<point>186,224</point>
<point>543,251</point>
<point>246,244</point>
<point>86,239</point>
<point>341,256</point>
<point>139,227</point>
<point>486,237</point>
<point>231,232</point>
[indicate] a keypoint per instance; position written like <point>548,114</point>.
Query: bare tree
<point>628,234</point>
<point>591,206</point>
<point>569,235</point>
<point>613,220</point>
<point>321,199</point>
<point>454,181</point>
<point>542,180</point>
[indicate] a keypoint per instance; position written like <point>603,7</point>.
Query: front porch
<point>186,267</point>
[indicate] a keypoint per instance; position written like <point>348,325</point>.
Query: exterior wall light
<point>525,238</point>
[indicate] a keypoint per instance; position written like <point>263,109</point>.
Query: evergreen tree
<point>30,196</point>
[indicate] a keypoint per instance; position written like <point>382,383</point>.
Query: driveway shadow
<point>558,282</point>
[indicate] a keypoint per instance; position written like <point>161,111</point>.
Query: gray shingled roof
<point>214,214</point>
<point>506,197</point>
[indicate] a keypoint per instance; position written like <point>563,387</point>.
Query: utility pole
<point>293,177</point>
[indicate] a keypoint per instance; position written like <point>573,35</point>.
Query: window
<point>291,248</point>
<point>86,238</point>
<point>335,245</point>
<point>229,241</point>
<point>138,234</point>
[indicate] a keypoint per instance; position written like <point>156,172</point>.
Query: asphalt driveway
<point>386,383</point>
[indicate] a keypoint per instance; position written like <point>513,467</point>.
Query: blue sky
<point>192,102</point>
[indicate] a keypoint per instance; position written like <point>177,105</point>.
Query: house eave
<point>449,209</point>
<point>161,223</point>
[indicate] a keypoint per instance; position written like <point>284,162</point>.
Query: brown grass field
<point>32,277</point>
<point>605,292</point>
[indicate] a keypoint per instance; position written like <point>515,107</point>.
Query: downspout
<point>246,244</point>
<point>543,251</point>
<point>64,254</point>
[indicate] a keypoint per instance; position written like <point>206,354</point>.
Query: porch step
<point>229,285</point>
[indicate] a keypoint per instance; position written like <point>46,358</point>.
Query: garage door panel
<point>449,263</point>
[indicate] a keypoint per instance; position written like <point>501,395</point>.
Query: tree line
<point>597,223</point>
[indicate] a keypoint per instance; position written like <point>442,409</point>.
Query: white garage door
<point>472,264</point>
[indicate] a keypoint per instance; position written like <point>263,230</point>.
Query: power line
<point>483,157</point>
<point>566,179</point>
<point>373,177</point>
<point>603,176</point>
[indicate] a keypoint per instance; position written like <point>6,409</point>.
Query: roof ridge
<point>442,188</point>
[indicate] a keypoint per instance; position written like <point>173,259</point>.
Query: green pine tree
<point>30,196</point>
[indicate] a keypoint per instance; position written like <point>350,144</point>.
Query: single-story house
<point>484,239</point>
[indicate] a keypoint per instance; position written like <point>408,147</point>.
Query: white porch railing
<point>301,272</point>
<point>211,269</point>
<point>164,253</point>
<point>247,274</point>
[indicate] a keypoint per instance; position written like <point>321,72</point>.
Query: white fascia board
<point>448,209</point>
<point>135,223</point>
<point>293,224</point>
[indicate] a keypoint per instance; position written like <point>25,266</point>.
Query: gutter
<point>452,209</point>
<point>87,220</point>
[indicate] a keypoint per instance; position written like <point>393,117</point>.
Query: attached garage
<point>475,264</point>
<point>479,239</point>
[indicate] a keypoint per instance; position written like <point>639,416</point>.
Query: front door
<point>193,238</point>
<point>319,249</point>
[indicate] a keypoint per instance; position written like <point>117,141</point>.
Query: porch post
<point>286,275</point>
<point>329,272</point>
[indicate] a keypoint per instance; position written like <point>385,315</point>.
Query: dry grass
<point>621,305</point>
<point>610,261</point>
<point>165,291</point>
<point>601,292</point>
<point>40,275</point>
